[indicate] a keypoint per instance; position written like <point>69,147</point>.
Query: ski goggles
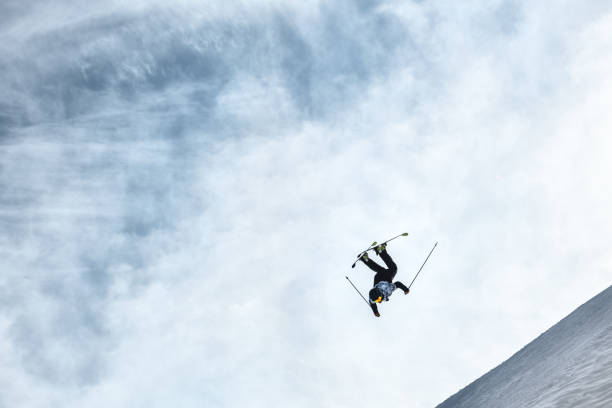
<point>378,300</point>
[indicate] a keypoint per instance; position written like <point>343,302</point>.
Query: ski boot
<point>364,257</point>
<point>380,248</point>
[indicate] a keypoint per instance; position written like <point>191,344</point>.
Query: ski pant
<point>383,274</point>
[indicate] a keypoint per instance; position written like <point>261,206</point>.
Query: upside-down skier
<point>383,280</point>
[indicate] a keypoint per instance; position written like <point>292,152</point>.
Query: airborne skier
<point>383,280</point>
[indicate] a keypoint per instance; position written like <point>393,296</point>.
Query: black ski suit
<point>384,275</point>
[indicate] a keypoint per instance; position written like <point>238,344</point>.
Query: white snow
<point>570,365</point>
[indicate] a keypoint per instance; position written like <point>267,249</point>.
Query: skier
<point>383,280</point>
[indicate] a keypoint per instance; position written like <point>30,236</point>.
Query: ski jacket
<point>386,288</point>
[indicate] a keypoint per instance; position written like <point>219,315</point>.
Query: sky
<point>184,186</point>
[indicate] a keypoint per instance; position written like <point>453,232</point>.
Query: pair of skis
<point>374,245</point>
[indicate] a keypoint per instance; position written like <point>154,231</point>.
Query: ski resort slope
<point>570,365</point>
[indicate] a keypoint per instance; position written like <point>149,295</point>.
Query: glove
<point>407,291</point>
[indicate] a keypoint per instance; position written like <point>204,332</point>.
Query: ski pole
<point>364,299</point>
<point>432,249</point>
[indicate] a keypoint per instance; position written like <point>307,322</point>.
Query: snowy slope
<point>570,365</point>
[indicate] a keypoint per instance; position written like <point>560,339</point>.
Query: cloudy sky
<point>184,186</point>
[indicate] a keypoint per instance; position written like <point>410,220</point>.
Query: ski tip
<point>405,234</point>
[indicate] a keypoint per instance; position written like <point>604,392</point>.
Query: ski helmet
<point>376,296</point>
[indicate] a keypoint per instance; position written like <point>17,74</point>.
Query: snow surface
<point>570,365</point>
